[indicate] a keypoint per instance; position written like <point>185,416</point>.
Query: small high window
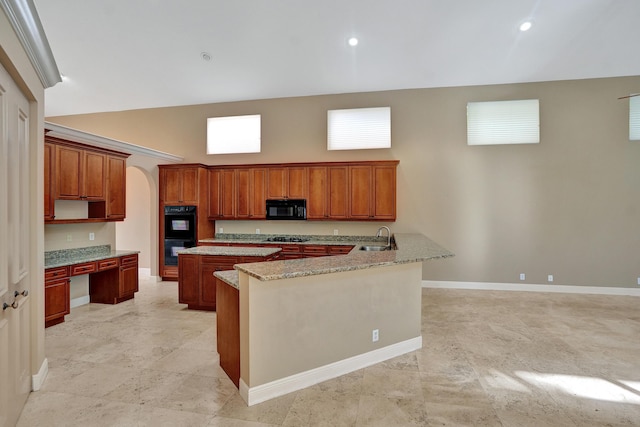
<point>503,122</point>
<point>359,128</point>
<point>233,134</point>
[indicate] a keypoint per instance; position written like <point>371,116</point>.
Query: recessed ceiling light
<point>206,56</point>
<point>526,26</point>
<point>353,41</point>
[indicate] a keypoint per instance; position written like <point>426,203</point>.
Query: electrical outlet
<point>257,231</point>
<point>92,236</point>
<point>68,237</point>
<point>550,278</point>
<point>375,335</point>
<point>522,276</point>
<point>335,232</point>
<point>220,230</point>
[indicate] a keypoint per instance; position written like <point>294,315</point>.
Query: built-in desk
<point>113,278</point>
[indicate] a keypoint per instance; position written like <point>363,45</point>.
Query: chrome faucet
<point>379,234</point>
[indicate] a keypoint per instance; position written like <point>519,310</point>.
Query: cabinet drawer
<point>107,264</point>
<point>340,250</point>
<point>291,248</point>
<point>315,250</point>
<point>128,260</point>
<point>55,273</point>
<point>84,268</point>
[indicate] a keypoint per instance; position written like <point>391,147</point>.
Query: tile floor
<point>488,359</point>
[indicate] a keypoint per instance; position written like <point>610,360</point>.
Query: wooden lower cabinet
<point>196,283</point>
<point>56,295</point>
<point>228,329</point>
<point>115,284</point>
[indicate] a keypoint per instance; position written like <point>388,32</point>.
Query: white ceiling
<point>131,54</point>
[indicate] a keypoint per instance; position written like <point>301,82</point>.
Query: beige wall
<point>569,206</point>
<point>134,233</point>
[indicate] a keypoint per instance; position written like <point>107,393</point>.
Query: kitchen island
<point>304,321</point>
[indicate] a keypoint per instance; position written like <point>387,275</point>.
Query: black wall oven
<point>179,231</point>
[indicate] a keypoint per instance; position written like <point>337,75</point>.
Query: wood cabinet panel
<point>228,329</point>
<point>179,186</point>
<point>94,176</point>
<point>258,193</point>
<point>68,172</point>
<point>384,192</point>
<point>56,301</point>
<point>84,268</point>
<point>317,201</point>
<point>49,171</point>
<point>222,193</point>
<point>360,192</point>
<point>128,279</point>
<point>106,264</point>
<point>188,279</point>
<point>116,188</point>
<point>287,182</point>
<point>338,197</point>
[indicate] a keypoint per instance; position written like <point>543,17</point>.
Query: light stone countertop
<point>410,248</point>
<point>229,251</point>
<point>230,277</point>
<point>65,257</point>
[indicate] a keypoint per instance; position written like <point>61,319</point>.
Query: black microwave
<point>287,209</point>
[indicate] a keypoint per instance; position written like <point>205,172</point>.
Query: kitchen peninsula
<point>304,321</point>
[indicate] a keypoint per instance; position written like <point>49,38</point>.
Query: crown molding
<point>76,135</point>
<point>24,19</point>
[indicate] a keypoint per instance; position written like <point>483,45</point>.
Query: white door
<point>15,344</point>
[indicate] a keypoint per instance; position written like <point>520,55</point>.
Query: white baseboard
<point>77,302</point>
<point>305,379</point>
<point>527,287</point>
<point>38,379</point>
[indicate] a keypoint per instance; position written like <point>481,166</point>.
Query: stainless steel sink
<point>375,248</point>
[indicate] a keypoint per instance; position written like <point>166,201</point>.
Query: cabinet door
<point>215,194</point>
<point>116,187</point>
<point>297,182</point>
<point>128,280</point>
<point>258,193</point>
<point>94,174</point>
<point>360,180</point>
<point>56,299</point>
<point>171,183</point>
<point>221,194</point>
<point>68,171</point>
<point>189,187</point>
<point>318,193</point>
<point>243,193</point>
<point>188,279</point>
<point>384,193</point>
<point>208,285</point>
<point>338,192</point>
<point>49,171</point>
<point>276,183</point>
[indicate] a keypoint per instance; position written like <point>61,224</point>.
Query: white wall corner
<point>38,379</point>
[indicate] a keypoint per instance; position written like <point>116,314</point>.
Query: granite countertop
<point>229,251</point>
<point>65,257</point>
<point>410,248</point>
<point>228,276</point>
<point>313,239</point>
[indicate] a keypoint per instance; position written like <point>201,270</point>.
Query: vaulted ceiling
<point>130,54</point>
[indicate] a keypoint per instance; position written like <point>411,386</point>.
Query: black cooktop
<point>287,239</point>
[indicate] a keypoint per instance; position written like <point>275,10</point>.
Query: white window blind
<point>503,122</point>
<point>359,128</point>
<point>634,118</point>
<point>233,134</point>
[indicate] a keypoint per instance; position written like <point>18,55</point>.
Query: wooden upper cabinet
<point>257,193</point>
<point>338,198</point>
<point>179,185</point>
<point>372,192</point>
<point>287,182</point>
<point>222,194</point>
<point>317,203</point>
<point>49,168</point>
<point>116,187</point>
<point>81,174</point>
